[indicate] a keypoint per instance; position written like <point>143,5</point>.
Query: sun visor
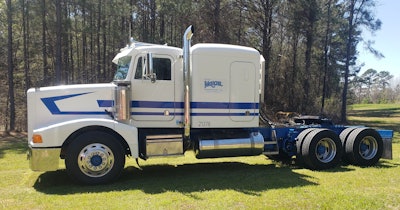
<point>124,52</point>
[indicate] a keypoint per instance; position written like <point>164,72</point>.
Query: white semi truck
<point>165,101</point>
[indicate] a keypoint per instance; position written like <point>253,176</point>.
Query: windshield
<point>122,68</point>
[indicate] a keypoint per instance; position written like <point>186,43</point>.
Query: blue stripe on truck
<point>50,103</point>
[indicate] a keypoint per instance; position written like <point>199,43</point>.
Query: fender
<point>53,136</point>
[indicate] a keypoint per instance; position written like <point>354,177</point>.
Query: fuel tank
<point>210,148</point>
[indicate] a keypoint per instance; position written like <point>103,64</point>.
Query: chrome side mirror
<point>149,72</point>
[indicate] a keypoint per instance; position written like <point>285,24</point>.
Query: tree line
<point>309,46</point>
<point>374,87</point>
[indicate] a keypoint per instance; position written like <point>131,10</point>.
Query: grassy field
<point>384,116</point>
<point>227,183</point>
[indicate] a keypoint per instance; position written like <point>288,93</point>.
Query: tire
<point>344,135</point>
<point>299,143</point>
<point>95,157</point>
<point>364,147</point>
<point>321,149</point>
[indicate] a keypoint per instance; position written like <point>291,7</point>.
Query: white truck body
<point>164,101</point>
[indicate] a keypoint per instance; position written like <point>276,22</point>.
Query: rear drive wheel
<point>364,147</point>
<point>299,143</point>
<point>321,149</point>
<point>344,135</point>
<point>95,157</point>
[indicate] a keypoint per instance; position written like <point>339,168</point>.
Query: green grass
<point>383,116</point>
<point>226,183</point>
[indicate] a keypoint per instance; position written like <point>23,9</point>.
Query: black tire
<point>299,143</point>
<point>364,147</point>
<point>344,135</point>
<point>321,149</point>
<point>95,157</point>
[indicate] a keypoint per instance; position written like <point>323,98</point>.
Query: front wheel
<point>95,157</point>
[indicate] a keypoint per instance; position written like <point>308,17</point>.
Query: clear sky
<point>387,40</point>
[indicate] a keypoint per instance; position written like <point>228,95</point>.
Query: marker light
<point>36,138</point>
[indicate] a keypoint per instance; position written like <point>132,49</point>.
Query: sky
<point>387,40</point>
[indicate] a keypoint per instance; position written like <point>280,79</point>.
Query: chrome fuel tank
<point>209,148</point>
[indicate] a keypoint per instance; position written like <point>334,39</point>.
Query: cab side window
<point>139,71</point>
<point>161,67</point>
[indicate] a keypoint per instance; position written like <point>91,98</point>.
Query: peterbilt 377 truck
<point>165,101</point>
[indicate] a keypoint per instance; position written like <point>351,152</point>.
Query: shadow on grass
<point>17,145</point>
<point>187,178</point>
<point>386,164</point>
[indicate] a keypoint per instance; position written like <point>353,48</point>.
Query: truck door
<point>153,97</point>
<point>242,94</point>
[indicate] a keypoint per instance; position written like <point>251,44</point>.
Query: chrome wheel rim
<point>325,150</point>
<point>368,147</point>
<point>95,160</point>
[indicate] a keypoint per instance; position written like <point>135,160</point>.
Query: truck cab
<point>154,74</point>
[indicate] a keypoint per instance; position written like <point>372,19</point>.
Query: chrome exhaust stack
<point>186,78</point>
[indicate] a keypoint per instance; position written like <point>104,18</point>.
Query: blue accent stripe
<point>155,113</point>
<point>179,105</point>
<point>223,105</point>
<point>81,113</point>
<point>50,103</point>
<point>193,114</point>
<point>223,114</point>
<point>155,104</point>
<point>105,103</point>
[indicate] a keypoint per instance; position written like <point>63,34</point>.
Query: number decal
<point>204,124</point>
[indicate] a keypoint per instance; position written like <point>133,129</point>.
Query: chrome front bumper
<point>44,159</point>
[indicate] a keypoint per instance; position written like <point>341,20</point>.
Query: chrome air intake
<point>186,78</point>
<point>122,100</point>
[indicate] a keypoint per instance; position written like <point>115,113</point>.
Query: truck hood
<point>48,105</point>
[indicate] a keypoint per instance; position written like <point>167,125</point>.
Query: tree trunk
<point>266,51</point>
<point>216,28</point>
<point>326,55</point>
<point>58,66</point>
<point>343,114</point>
<point>153,9</point>
<point>10,64</point>
<point>98,46</point>
<point>44,45</point>
<point>25,27</point>
<point>311,19</point>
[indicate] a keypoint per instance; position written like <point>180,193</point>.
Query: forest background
<point>310,46</point>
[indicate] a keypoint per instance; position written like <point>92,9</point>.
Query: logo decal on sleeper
<point>213,85</point>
